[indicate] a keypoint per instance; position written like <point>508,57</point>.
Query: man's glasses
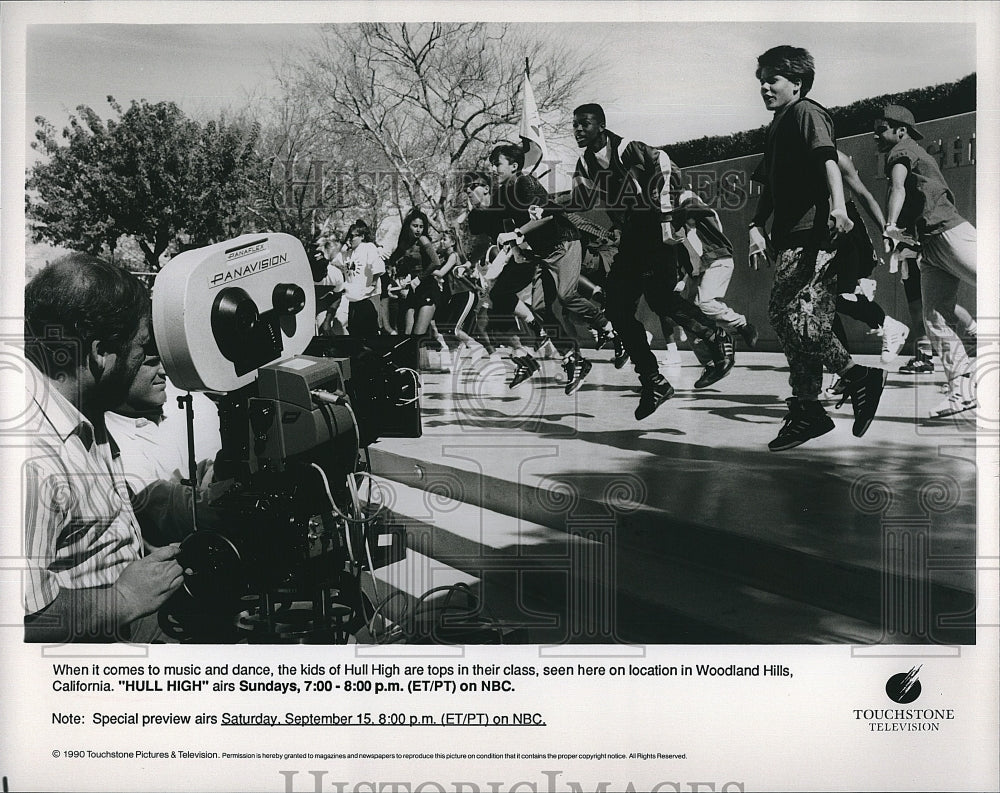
<point>880,128</point>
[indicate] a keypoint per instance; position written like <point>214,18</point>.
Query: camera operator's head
<point>148,392</point>
<point>86,322</point>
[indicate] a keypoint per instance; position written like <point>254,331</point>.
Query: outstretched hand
<point>760,248</point>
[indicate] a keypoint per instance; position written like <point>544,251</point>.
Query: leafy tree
<point>151,174</point>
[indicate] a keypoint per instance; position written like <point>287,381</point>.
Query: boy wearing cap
<point>919,198</point>
<point>804,193</point>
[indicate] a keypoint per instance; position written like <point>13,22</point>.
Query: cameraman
<point>155,458</point>
<point>86,323</point>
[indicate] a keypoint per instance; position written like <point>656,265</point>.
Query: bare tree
<point>430,98</point>
<point>316,169</point>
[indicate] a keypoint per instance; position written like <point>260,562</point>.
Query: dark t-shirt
<point>799,141</point>
<point>509,211</point>
<point>929,205</point>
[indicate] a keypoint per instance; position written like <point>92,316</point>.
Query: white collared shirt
<point>79,527</point>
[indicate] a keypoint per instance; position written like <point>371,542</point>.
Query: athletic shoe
<point>525,367</point>
<point>723,354</point>
<point>655,391</point>
<point>602,336</point>
<point>894,335</point>
<point>750,335</point>
<point>864,386</point>
<point>546,349</point>
<point>576,368</point>
<point>495,357</point>
<point>712,374</point>
<point>621,357</point>
<point>806,420</point>
<point>918,364</point>
<point>960,399</point>
<point>836,389</point>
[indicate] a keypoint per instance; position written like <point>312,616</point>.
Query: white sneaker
<point>476,351</point>
<point>547,350</point>
<point>835,390</point>
<point>894,335</point>
<point>673,355</point>
<point>960,399</point>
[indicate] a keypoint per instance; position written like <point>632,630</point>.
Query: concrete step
<point>716,581</point>
<point>557,586</point>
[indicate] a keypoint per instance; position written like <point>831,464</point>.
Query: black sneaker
<point>709,376</point>
<point>864,386</point>
<point>723,354</point>
<point>805,420</point>
<point>621,357</point>
<point>576,368</point>
<point>918,364</point>
<point>526,366</point>
<point>602,338</point>
<point>749,335</point>
<point>655,391</point>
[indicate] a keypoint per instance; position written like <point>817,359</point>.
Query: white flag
<point>531,129</point>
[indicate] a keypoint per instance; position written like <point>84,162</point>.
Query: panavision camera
<point>295,517</point>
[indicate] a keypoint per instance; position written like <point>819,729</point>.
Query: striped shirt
<point>79,527</point>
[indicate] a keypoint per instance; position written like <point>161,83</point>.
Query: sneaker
<point>712,374</point>
<point>576,368</point>
<point>806,420</point>
<point>836,389</point>
<point>495,357</point>
<point>918,364</point>
<point>546,349</point>
<point>602,337</point>
<point>894,335</point>
<point>960,399</point>
<point>621,357</point>
<point>864,386</point>
<point>655,391</point>
<point>954,403</point>
<point>723,354</point>
<point>525,367</point>
<point>749,335</point>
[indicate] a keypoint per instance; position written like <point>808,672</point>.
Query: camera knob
<point>288,298</point>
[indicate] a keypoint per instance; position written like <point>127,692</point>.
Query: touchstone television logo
<point>904,687</point>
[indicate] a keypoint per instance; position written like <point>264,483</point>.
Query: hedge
<point>936,101</point>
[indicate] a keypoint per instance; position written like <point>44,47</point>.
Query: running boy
<point>919,196</point>
<point>631,182</point>
<point>804,193</point>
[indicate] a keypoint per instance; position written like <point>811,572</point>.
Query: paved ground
<point>879,529</point>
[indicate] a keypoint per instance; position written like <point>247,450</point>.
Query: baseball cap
<point>902,117</point>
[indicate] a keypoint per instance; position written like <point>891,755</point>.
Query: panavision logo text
<point>903,688</point>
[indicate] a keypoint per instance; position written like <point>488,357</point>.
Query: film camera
<point>300,520</point>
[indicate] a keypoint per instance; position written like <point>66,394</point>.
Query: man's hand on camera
<point>146,583</point>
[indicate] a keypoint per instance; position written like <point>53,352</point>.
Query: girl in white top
<point>363,263</point>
